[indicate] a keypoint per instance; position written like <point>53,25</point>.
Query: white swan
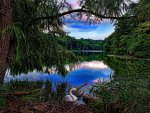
<point>71,97</point>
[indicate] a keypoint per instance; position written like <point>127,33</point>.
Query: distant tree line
<point>80,44</point>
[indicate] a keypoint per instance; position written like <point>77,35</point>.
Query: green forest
<point>131,36</point>
<point>71,43</point>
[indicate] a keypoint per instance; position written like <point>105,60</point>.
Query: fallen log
<point>17,94</point>
<point>88,97</point>
<point>80,87</point>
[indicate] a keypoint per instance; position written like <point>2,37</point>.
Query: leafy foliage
<point>142,10</point>
<point>45,52</point>
<point>37,49</point>
<point>128,91</point>
<point>112,8</point>
<point>80,44</point>
<point>131,37</point>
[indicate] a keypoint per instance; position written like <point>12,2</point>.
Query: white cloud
<point>93,65</point>
<point>135,1</point>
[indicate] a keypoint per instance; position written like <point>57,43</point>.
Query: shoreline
<point>128,57</point>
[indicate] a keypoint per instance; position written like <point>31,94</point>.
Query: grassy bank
<point>39,91</point>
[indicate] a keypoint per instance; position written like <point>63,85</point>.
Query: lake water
<point>93,68</point>
<point>86,72</point>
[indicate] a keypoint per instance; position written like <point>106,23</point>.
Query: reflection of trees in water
<point>82,57</point>
<point>89,56</point>
<point>128,67</point>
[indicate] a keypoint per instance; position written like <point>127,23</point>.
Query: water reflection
<point>93,71</point>
<point>88,65</point>
<point>129,68</point>
<point>85,72</point>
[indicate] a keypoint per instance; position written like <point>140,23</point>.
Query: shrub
<point>128,95</point>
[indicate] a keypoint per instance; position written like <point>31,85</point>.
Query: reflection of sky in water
<point>86,72</point>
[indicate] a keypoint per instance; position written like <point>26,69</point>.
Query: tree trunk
<point>6,44</point>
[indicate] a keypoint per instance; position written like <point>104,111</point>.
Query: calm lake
<point>93,67</point>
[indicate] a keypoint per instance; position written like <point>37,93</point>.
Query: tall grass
<point>40,91</point>
<point>54,95</point>
<point>122,95</point>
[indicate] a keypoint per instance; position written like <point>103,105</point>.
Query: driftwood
<point>81,94</point>
<point>17,94</point>
<point>88,97</point>
<point>78,88</point>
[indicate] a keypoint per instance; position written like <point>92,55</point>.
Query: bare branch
<point>78,11</point>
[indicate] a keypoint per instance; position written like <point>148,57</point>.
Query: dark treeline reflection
<point>89,56</point>
<point>128,67</point>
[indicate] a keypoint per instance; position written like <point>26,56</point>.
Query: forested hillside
<point>131,36</point>
<point>80,44</point>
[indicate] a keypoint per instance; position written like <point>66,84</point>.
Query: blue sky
<point>82,30</point>
<point>85,30</point>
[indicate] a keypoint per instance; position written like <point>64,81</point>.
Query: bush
<point>129,95</point>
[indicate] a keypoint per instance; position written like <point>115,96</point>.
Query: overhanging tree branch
<point>77,11</point>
